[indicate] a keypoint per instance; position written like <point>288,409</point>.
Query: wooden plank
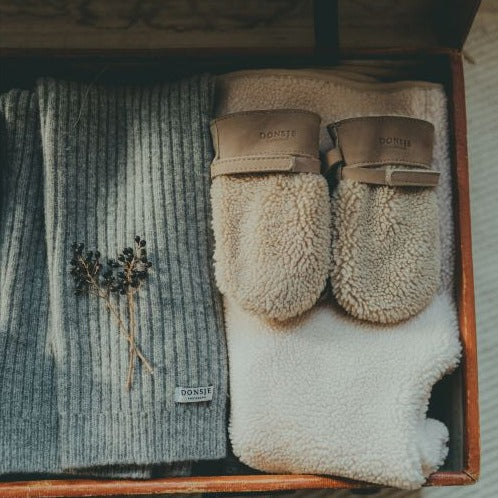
<point>384,23</point>
<point>417,24</point>
<point>155,24</point>
<point>464,268</point>
<point>212,484</point>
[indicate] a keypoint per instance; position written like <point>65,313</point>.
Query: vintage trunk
<point>138,40</point>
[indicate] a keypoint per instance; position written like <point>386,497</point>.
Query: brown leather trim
<point>265,164</point>
<point>280,140</point>
<point>362,144</point>
<point>379,140</point>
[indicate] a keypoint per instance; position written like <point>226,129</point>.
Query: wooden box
<point>142,39</point>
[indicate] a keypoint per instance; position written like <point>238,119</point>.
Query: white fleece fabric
<point>326,393</point>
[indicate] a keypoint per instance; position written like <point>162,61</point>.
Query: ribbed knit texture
<point>121,161</point>
<point>28,416</point>
<point>28,394</point>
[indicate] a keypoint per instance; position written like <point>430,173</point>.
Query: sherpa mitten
<point>335,97</point>
<point>120,162</point>
<point>28,408</point>
<point>327,394</point>
<point>385,226</point>
<point>270,211</point>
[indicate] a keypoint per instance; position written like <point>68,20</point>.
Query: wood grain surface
<point>154,24</point>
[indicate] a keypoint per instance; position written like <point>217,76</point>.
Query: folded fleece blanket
<point>325,393</point>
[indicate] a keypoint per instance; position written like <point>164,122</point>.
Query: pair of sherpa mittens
<point>279,236</point>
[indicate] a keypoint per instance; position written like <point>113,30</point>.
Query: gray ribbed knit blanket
<point>99,165</point>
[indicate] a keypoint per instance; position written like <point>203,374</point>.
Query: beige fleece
<point>272,241</point>
<point>398,268</point>
<point>385,250</point>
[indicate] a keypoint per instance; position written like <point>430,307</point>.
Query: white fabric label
<point>193,394</point>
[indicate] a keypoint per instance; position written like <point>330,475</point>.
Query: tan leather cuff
<point>272,141</point>
<point>364,144</point>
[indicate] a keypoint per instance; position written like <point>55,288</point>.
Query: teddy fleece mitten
<point>270,211</point>
<point>385,226</point>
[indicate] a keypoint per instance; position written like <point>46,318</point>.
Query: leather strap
<point>390,177</point>
<point>334,157</point>
<point>265,164</point>
<point>270,141</point>
<point>364,145</point>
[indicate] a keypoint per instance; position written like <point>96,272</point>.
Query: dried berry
<point>133,265</point>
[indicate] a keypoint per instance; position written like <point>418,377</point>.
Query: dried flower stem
<point>131,335</point>
<point>86,272</point>
<point>124,331</point>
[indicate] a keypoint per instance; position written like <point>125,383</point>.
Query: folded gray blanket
<point>117,162</point>
<point>28,411</point>
<point>28,393</point>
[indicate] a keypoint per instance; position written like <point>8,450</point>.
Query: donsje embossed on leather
<point>281,140</point>
<point>361,144</point>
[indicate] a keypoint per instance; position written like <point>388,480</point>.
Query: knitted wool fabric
<point>28,411</point>
<point>121,161</point>
<point>28,394</point>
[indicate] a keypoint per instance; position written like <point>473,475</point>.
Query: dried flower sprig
<point>123,276</point>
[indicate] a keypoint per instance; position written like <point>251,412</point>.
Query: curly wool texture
<point>335,97</point>
<point>326,394</point>
<point>272,232</point>
<point>385,250</point>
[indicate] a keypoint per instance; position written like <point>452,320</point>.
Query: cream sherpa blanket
<point>325,393</point>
